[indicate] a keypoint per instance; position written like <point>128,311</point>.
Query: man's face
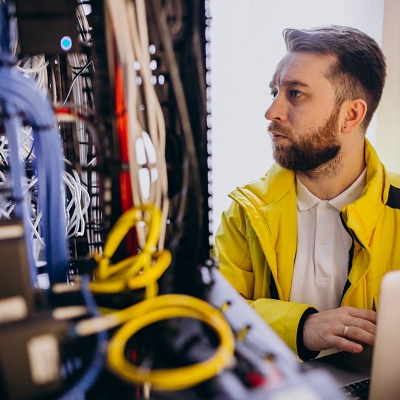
<point>304,117</point>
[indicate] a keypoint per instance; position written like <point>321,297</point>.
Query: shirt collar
<point>306,200</point>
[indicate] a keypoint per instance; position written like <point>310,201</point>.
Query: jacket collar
<point>362,215</point>
<point>277,178</point>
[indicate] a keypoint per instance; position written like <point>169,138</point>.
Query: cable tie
<point>225,306</point>
<point>242,333</point>
<point>10,115</point>
<point>8,60</point>
<point>18,199</point>
<point>43,127</point>
<point>122,113</point>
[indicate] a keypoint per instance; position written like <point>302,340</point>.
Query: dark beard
<point>310,151</point>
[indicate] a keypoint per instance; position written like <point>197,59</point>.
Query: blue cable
<point>22,96</point>
<point>13,126</point>
<point>95,368</point>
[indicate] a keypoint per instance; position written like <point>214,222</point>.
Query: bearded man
<point>308,244</point>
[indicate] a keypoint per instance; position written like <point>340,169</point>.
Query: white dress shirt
<point>320,270</point>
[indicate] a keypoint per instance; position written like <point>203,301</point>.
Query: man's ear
<point>355,111</point>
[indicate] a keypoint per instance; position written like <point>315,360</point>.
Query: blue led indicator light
<point>66,43</point>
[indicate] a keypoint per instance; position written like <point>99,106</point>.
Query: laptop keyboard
<point>358,390</point>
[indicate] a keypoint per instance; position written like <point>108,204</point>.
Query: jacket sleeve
<point>235,263</point>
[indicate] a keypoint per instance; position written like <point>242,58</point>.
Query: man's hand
<point>343,328</point>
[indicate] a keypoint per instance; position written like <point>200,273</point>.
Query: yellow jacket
<point>256,243</point>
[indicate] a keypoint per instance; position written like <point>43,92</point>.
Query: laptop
<point>380,364</point>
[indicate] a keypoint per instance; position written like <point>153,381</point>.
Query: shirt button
<point>324,208</point>
<point>322,240</point>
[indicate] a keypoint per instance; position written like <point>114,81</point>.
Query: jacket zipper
<point>351,254</point>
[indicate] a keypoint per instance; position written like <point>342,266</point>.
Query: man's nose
<point>277,110</point>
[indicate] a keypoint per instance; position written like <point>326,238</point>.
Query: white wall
<point>388,121</point>
<point>246,45</point>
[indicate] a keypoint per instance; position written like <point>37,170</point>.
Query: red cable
<point>124,177</point>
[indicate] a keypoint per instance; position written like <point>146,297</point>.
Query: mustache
<point>275,128</point>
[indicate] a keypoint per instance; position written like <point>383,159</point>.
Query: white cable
<point>80,216</point>
<point>154,112</point>
<point>118,15</point>
<point>79,204</point>
<point>130,29</point>
<point>35,68</point>
<point>79,220</point>
<point>80,13</point>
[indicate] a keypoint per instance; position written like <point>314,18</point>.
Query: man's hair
<point>360,70</point>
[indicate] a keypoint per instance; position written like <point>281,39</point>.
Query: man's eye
<point>274,94</point>
<point>295,93</point>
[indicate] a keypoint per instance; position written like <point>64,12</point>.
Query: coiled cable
<point>140,270</point>
<point>157,309</point>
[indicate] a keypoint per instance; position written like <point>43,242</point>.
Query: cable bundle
<point>162,308</point>
<point>78,194</point>
<point>22,100</point>
<point>145,135</point>
<point>77,205</point>
<point>154,310</point>
<point>143,270</point>
<point>35,68</point>
<point>138,271</point>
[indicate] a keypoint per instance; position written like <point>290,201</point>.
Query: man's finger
<point>363,314</point>
<point>341,343</point>
<point>359,335</point>
<point>363,324</point>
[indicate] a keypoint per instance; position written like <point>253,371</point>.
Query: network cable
<point>78,391</point>
<point>146,127</point>
<point>21,97</point>
<point>141,270</point>
<point>148,312</point>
